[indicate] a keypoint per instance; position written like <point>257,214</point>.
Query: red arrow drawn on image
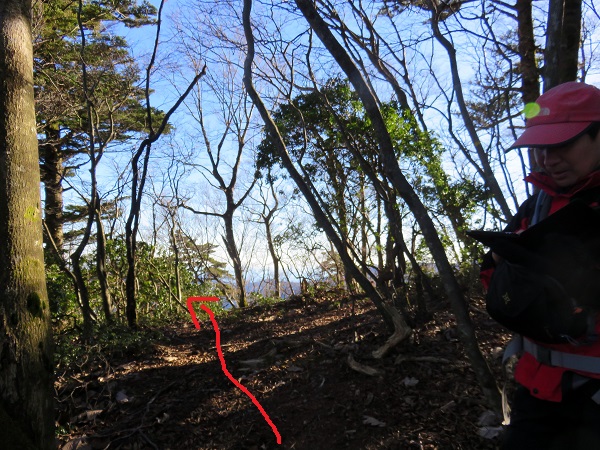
<point>206,309</point>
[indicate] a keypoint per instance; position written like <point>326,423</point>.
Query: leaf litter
<point>321,388</point>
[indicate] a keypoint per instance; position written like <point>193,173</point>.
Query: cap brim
<point>551,134</point>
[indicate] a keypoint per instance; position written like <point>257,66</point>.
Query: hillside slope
<point>295,357</point>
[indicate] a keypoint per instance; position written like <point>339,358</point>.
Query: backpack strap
<point>571,361</point>
<point>540,211</point>
<point>541,208</point>
<point>551,357</point>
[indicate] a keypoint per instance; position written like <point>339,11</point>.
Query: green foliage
<point>325,130</point>
<point>198,259</point>
<point>108,342</point>
<point>156,286</point>
<point>109,99</point>
<point>326,155</point>
<point>156,289</point>
<point>127,12</point>
<point>60,292</point>
<point>112,74</point>
<point>256,298</point>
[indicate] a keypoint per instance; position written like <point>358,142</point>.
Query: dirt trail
<point>306,365</point>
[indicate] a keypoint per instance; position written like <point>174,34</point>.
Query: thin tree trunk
<point>268,220</point>
<point>234,254</point>
<point>274,257</point>
<point>364,244</point>
<point>176,253</point>
<point>91,207</point>
<point>392,171</point>
<point>486,171</point>
<point>52,178</point>
<point>138,180</point>
<point>391,317</point>
<point>101,267</point>
<point>81,287</point>
<point>26,404</point>
<point>131,228</point>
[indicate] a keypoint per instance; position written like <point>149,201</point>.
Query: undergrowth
<point>108,342</point>
<point>117,340</point>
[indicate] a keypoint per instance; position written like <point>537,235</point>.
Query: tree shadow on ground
<point>293,358</point>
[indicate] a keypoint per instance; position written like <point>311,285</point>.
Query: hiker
<point>556,404</point>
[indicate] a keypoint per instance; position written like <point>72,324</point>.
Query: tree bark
<point>26,405</point>
<point>52,173</point>
<point>273,253</point>
<point>82,290</point>
<point>138,180</point>
<point>393,319</point>
<point>561,57</point>
<point>371,47</point>
<point>101,266</point>
<point>530,84</point>
<point>486,171</point>
<point>94,200</point>
<point>392,171</point>
<point>234,254</point>
<point>176,255</point>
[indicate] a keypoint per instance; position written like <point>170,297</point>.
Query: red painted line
<point>222,357</point>
<point>191,300</point>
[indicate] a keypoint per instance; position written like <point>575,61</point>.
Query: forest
<point>313,166</point>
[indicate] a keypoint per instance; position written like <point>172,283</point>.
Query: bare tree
<point>270,207</point>
<point>387,54</point>
<point>237,122</point>
<point>393,318</point>
<point>168,202</point>
<point>405,190</point>
<point>139,169</point>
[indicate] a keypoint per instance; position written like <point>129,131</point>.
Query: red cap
<point>559,115</point>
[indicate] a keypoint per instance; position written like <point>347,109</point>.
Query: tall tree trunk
<point>392,171</point>
<point>138,180</point>
<point>80,282</point>
<point>93,202</point>
<point>563,37</point>
<point>483,167</point>
<point>176,253</point>
<point>267,218</point>
<point>364,217</point>
<point>274,257</point>
<point>393,319</point>
<point>131,229</point>
<point>84,295</point>
<point>234,254</point>
<point>530,84</point>
<point>52,173</point>
<point>486,172</point>
<point>130,281</point>
<point>26,406</point>
<point>101,267</point>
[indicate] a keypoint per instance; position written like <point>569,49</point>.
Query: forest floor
<point>295,358</point>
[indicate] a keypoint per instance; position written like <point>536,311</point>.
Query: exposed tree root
<point>402,331</point>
